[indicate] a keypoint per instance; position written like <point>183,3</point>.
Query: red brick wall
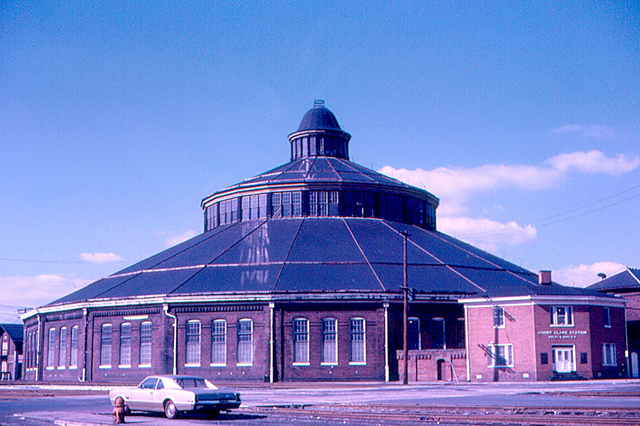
<point>423,365</point>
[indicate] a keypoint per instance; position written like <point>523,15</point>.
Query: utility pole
<point>405,330</point>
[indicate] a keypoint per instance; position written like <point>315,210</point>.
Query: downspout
<point>626,342</point>
<point>386,341</point>
<point>466,341</point>
<point>175,337</point>
<point>39,350</point>
<point>272,341</point>
<point>85,314</point>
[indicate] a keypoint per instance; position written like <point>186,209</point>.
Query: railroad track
<point>458,415</point>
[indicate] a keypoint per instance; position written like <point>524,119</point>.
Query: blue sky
<point>117,118</point>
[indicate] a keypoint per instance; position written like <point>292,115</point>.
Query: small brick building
<point>11,351</point>
<point>626,284</point>
<point>298,276</point>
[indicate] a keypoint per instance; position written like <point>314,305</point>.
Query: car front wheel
<point>170,410</point>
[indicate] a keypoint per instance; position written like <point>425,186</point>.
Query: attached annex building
<point>298,275</point>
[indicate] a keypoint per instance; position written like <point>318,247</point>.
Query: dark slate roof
<point>319,118</point>
<point>629,279</point>
<point>324,170</point>
<point>15,331</point>
<point>310,255</point>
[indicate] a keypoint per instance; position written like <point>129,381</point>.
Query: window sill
<point>105,366</point>
<point>244,364</point>
<point>218,365</point>
<point>62,368</point>
<point>192,365</point>
<point>562,325</point>
<point>50,368</point>
<point>124,366</point>
<point>358,363</point>
<point>501,366</point>
<point>73,367</point>
<point>301,364</point>
<point>607,326</point>
<point>144,366</point>
<point>328,363</point>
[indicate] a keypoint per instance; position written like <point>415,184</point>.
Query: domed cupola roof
<point>319,135</point>
<point>319,118</point>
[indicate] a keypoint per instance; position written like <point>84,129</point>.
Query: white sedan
<point>173,394</point>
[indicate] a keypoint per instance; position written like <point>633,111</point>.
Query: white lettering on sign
<point>562,334</point>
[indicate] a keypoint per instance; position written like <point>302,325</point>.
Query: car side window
<point>149,383</point>
<point>160,384</point>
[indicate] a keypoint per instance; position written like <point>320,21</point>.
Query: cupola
<point>319,135</point>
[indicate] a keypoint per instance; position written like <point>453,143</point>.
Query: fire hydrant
<point>119,411</point>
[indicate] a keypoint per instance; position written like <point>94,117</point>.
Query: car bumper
<point>215,405</point>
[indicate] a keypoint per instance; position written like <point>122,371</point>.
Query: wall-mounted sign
<point>563,334</point>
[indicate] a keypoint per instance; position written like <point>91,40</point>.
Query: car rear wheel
<point>170,410</point>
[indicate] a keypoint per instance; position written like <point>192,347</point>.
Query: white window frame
<point>300,339</point>
<point>357,346</point>
<point>329,338</point>
<point>498,317</point>
<point>607,317</point>
<point>62,353</point>
<point>73,362</point>
<point>493,354</point>
<point>245,345</point>
<point>51,349</point>
<point>146,345</point>
<point>106,346</point>
<point>219,342</point>
<point>193,343</point>
<point>609,355</point>
<point>568,316</point>
<point>124,347</point>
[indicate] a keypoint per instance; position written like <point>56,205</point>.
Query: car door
<point>142,396</point>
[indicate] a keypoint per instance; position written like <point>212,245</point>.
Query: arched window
<point>245,342</point>
<point>413,333</point>
<point>329,341</point>
<point>219,342</point>
<point>51,348</point>
<point>437,333</point>
<point>125,344</point>
<point>105,346</point>
<point>74,347</point>
<point>301,340</point>
<point>193,343</point>
<point>357,336</point>
<point>62,356</point>
<point>145,344</point>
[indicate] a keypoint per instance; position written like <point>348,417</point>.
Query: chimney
<point>544,277</point>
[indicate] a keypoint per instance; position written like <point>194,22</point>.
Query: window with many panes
<point>301,341</point>
<point>193,343</point>
<point>74,347</point>
<point>245,342</point>
<point>105,345</point>
<point>413,333</point>
<point>62,356</point>
<point>145,344</point>
<point>125,344</point>
<point>609,354</point>
<point>357,337</point>
<point>323,203</point>
<point>500,355</point>
<point>498,317</point>
<point>329,341</point>
<point>607,317</point>
<point>51,348</point>
<point>254,207</point>
<point>460,333</point>
<point>562,315</point>
<point>437,333</point>
<point>219,342</point>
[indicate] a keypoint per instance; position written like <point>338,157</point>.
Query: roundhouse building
<point>298,275</point>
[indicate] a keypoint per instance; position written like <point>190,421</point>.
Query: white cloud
<point>177,239</point>
<point>487,232</point>
<point>35,291</point>
<point>590,131</point>
<point>100,257</point>
<point>594,162</point>
<point>584,275</point>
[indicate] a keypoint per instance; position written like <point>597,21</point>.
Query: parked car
<point>175,394</point>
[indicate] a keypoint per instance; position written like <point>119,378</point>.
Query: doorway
<point>440,367</point>
<point>563,359</point>
<point>634,365</point>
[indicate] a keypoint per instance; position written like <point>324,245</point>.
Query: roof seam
<point>284,262</point>
<point>364,255</point>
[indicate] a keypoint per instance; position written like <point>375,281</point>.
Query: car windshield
<point>191,383</point>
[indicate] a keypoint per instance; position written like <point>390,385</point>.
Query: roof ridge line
<point>363,255</point>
